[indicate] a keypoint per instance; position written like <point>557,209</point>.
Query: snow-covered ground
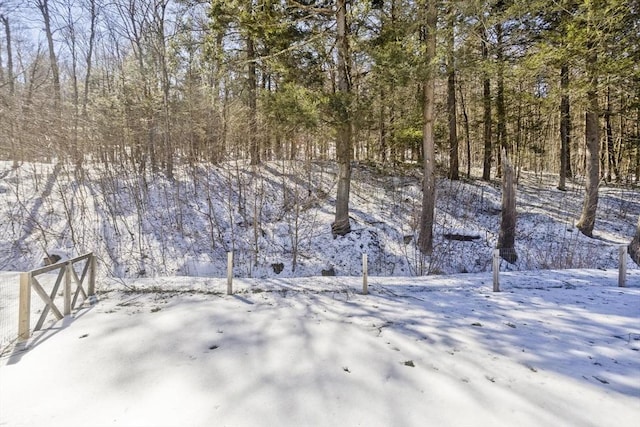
<point>166,346</point>
<point>557,348</point>
<point>277,220</point>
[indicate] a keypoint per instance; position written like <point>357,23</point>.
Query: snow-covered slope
<point>276,218</point>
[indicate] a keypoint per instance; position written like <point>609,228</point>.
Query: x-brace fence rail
<point>71,291</point>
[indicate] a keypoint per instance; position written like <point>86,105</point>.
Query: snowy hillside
<point>276,218</point>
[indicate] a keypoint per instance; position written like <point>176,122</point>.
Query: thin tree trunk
<point>467,131</point>
<point>501,139</point>
<point>43,5</point>
<point>565,127</point>
<point>11,83</point>
<point>252,83</point>
<point>92,37</point>
<point>341,226</point>
<point>588,218</point>
<point>425,238</point>
<point>451,98</point>
<point>486,102</point>
<point>612,163</point>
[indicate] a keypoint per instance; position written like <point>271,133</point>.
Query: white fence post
<point>24,315</point>
<point>622,271</point>
<point>67,289</point>
<point>91,288</point>
<point>365,285</point>
<point>496,270</point>
<point>229,273</point>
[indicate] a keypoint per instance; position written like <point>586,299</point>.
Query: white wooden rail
<point>622,268</point>
<point>71,292</point>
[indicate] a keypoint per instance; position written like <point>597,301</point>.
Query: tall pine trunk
<point>501,137</point>
<point>425,239</point>
<point>341,226</point>
<point>486,102</point>
<point>588,218</point>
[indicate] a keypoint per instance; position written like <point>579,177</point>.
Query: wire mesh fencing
<point>9,307</point>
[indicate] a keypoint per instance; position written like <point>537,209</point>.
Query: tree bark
<point>43,5</point>
<point>425,238</point>
<point>507,235</point>
<point>252,82</point>
<point>565,127</point>
<point>592,137</point>
<point>612,161</point>
<point>341,226</point>
<point>10,77</point>
<point>451,98</point>
<point>467,132</point>
<point>12,90</point>
<point>501,139</point>
<point>634,247</point>
<point>92,36</point>
<point>486,102</point>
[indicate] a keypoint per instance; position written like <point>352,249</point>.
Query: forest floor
<point>277,221</point>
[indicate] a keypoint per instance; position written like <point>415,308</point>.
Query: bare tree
<point>43,6</point>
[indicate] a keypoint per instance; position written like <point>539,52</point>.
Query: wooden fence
<point>622,268</point>
<point>73,288</point>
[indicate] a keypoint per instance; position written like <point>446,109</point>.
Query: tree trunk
<point>451,98</point>
<point>501,139</point>
<point>590,206</point>
<point>612,162</point>
<point>634,246</point>
<point>92,36</point>
<point>425,238</point>
<point>486,102</point>
<point>43,5</point>
<point>252,83</point>
<point>507,235</point>
<point>11,83</point>
<point>467,131</point>
<point>565,127</point>
<point>341,226</point>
